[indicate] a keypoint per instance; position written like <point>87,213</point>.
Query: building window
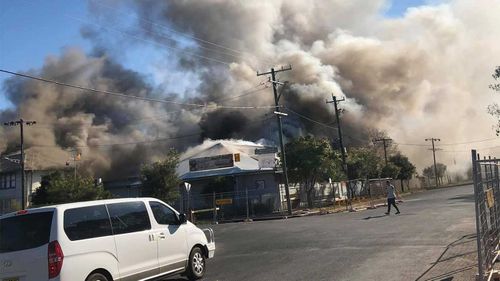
<point>12,180</point>
<point>260,185</point>
<point>7,181</point>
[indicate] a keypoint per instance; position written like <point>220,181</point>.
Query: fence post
<point>181,203</point>
<point>493,213</point>
<point>246,200</point>
<point>497,194</point>
<point>333,190</point>
<point>372,203</point>
<point>476,205</point>
<point>215,208</point>
<point>346,196</point>
<point>189,205</point>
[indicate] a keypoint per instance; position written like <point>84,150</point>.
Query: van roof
<point>84,204</point>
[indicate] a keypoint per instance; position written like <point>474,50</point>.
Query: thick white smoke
<point>422,75</point>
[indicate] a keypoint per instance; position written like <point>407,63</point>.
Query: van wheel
<point>196,264</point>
<point>96,277</point>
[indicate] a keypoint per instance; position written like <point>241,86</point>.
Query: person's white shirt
<point>391,191</point>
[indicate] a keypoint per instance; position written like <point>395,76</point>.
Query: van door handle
<point>162,235</point>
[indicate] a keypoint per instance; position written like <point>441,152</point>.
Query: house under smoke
<point>232,175</point>
<point>10,181</point>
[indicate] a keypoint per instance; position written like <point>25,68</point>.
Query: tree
<point>390,171</point>
<point>62,187</point>
<point>312,159</point>
<point>496,76</point>
<point>160,179</point>
<point>392,147</point>
<point>364,163</point>
<point>441,171</point>
<point>494,109</point>
<point>406,168</point>
<point>428,172</point>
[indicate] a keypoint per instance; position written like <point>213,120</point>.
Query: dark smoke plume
<point>419,76</point>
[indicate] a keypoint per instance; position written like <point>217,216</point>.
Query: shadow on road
<point>463,198</point>
<point>382,216</point>
<point>374,217</point>
<point>456,262</point>
<point>174,278</point>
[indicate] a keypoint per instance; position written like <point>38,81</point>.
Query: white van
<point>104,240</point>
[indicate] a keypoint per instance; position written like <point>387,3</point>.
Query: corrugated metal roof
<point>232,171</point>
<point>248,161</point>
<point>8,165</point>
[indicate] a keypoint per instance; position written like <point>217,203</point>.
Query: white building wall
<point>10,199</point>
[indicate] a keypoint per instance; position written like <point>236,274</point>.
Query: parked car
<point>104,240</point>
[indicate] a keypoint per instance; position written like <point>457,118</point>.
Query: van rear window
<point>24,232</point>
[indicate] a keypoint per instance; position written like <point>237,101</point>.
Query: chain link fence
<point>230,206</point>
<point>343,193</point>
<point>253,203</point>
<point>487,205</point>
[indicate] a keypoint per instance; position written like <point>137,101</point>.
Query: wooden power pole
<point>280,129</point>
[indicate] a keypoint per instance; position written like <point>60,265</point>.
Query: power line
<point>450,144</point>
<point>385,142</point>
<point>412,144</point>
<point>321,123</point>
<point>279,115</point>
<point>336,102</point>
<point>308,118</point>
<point>240,96</point>
<point>117,94</point>
<point>21,122</point>
<point>185,35</point>
<point>468,142</point>
<point>127,143</point>
<point>434,156</point>
<point>133,122</point>
<point>151,42</point>
<point>122,95</point>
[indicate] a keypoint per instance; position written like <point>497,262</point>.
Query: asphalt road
<point>365,245</point>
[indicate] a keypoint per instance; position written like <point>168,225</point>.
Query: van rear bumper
<point>209,233</point>
<point>211,250</point>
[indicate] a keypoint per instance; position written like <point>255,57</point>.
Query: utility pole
<point>21,124</point>
<point>434,155</point>
<point>76,157</point>
<point>335,102</point>
<point>280,128</point>
<point>386,142</point>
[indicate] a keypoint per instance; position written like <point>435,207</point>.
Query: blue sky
<point>31,30</point>
<point>397,8</point>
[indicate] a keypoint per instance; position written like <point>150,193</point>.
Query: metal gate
<point>487,204</point>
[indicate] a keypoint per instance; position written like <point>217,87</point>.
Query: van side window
<point>86,222</point>
<point>129,217</point>
<point>163,214</point>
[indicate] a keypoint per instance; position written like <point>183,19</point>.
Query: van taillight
<point>55,259</point>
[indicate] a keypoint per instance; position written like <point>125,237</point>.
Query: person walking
<point>391,198</point>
